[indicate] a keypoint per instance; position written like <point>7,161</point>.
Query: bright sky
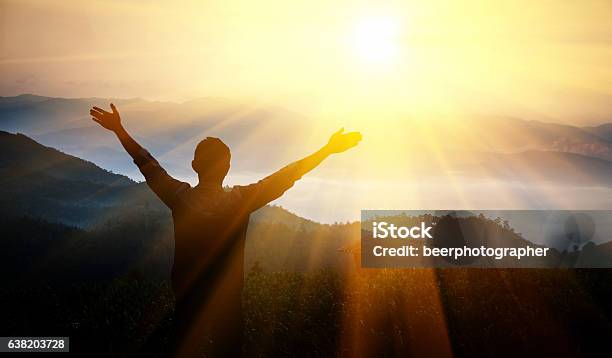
<point>537,59</point>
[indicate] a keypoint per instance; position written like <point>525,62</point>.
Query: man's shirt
<point>210,225</point>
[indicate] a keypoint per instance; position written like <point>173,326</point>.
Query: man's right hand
<point>108,120</point>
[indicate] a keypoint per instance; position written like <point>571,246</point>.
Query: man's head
<point>211,160</point>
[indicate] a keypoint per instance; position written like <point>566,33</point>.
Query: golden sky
<point>380,59</point>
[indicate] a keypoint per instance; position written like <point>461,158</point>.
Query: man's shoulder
<point>184,186</point>
<point>183,189</point>
<point>244,191</point>
<point>236,191</point>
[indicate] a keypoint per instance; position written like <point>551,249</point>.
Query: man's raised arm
<point>272,187</point>
<point>157,178</point>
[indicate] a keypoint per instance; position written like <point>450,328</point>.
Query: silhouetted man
<point>210,225</point>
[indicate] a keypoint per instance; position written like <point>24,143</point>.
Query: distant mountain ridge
<point>171,130</point>
<point>511,135</point>
<point>603,130</point>
<point>533,166</point>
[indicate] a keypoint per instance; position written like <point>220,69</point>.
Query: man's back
<point>210,225</point>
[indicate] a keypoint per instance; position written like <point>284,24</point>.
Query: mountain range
<point>72,219</point>
<point>169,130</point>
<point>488,147</point>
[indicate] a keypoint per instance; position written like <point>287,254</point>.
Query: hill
<point>62,214</point>
<point>35,175</point>
<point>43,182</point>
<point>25,157</point>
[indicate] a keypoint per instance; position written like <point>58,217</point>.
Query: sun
<point>375,40</point>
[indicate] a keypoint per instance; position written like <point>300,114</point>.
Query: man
<point>210,225</point>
